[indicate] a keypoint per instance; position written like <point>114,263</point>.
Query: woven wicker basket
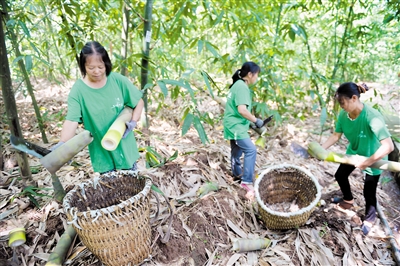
<point>111,215</point>
<point>286,184</point>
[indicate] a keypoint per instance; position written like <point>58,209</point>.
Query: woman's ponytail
<point>246,68</point>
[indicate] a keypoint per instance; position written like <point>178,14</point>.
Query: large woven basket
<point>111,215</point>
<point>286,184</point>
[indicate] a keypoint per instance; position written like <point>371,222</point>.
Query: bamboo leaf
<point>292,35</point>
<point>211,48</point>
<point>163,87</point>
<point>156,189</point>
<point>147,86</point>
<point>299,31</point>
<point>200,45</point>
<point>34,47</point>
<point>173,157</point>
<point>187,123</point>
<point>219,18</point>
<point>205,77</point>
<point>200,129</point>
<point>17,59</point>
<point>28,63</point>
<point>34,201</point>
<point>24,28</point>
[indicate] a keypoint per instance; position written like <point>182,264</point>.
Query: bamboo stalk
<point>60,251</point>
<point>320,153</point>
<point>59,192</point>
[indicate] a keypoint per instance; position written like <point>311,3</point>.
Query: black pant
<point>370,186</point>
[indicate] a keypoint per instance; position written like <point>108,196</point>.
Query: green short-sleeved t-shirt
<point>364,133</point>
<point>97,109</point>
<point>235,125</point>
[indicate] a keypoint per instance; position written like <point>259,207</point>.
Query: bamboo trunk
<point>320,153</point>
<point>8,96</point>
<point>146,56</point>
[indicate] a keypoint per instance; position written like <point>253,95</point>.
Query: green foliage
<point>154,159</point>
<point>31,192</point>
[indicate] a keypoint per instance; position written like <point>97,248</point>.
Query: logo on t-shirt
<point>118,103</point>
<point>362,135</point>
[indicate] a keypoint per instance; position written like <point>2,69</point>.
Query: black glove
<point>129,127</point>
<point>259,123</point>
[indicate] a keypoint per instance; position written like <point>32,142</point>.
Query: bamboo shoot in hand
<point>320,153</point>
<point>114,134</point>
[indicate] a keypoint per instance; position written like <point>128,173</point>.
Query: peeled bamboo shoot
<point>114,134</point>
<point>320,153</point>
<point>242,245</point>
<point>57,158</point>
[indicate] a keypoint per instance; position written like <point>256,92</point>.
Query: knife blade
<point>266,121</point>
<point>28,147</point>
<point>299,150</point>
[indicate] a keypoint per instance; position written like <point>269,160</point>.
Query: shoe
<point>366,227</point>
<point>237,177</point>
<point>250,191</point>
<point>345,205</point>
<point>342,204</point>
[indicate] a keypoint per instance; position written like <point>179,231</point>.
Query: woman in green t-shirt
<point>237,118</point>
<point>368,136</point>
<point>96,100</point>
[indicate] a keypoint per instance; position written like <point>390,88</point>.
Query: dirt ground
<point>205,227</point>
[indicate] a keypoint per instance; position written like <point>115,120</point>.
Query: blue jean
<point>238,147</point>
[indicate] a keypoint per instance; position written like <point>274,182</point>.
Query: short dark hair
<point>246,68</point>
<point>348,89</point>
<point>92,48</point>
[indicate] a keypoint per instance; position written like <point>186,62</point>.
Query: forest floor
<point>203,228</point>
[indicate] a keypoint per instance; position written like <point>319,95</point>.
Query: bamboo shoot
<point>316,150</point>
<point>243,245</point>
<point>60,251</point>
<point>57,158</point>
<point>114,134</point>
<point>320,153</point>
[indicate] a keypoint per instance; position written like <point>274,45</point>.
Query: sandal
<point>345,205</point>
<point>342,204</point>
